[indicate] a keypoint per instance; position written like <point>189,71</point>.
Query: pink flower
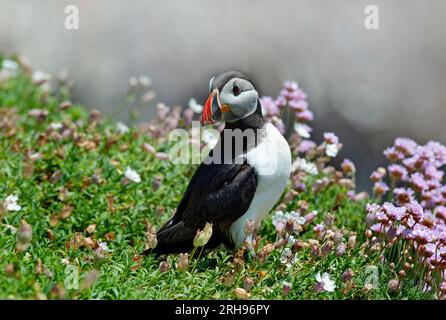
<point>406,146</point>
<point>306,145</point>
<point>380,188</point>
<point>319,228</point>
<point>269,106</point>
<point>299,105</point>
<point>397,172</point>
<point>403,195</point>
<point>418,182</point>
<point>393,154</point>
<point>378,174</point>
<point>348,166</point>
<point>394,213</point>
<point>372,208</point>
<point>290,85</point>
<point>433,173</point>
<point>331,138</point>
<point>440,213</point>
<point>305,116</point>
<point>415,210</point>
<point>281,101</point>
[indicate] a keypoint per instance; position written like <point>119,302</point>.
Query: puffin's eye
<point>236,90</point>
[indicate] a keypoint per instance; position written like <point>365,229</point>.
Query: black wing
<point>218,194</point>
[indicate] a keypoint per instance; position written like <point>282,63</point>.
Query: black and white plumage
<point>228,194</point>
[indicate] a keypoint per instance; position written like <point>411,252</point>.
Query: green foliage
<point>61,198</point>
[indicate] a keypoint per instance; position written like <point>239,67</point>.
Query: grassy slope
<point>121,275</point>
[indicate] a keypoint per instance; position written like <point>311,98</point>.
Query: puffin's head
<point>232,97</point>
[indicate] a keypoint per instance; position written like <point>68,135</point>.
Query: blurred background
<point>368,86</point>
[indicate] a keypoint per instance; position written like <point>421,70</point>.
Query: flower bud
<point>229,279</point>
<point>202,237</point>
<point>340,249</point>
<point>352,241</point>
<point>241,293</point>
<point>95,116</point>
<point>149,148</point>
<point>338,236</point>
<point>99,255</point>
<point>329,219</point>
<point>183,262</point>
<point>299,245</point>
<point>156,183</point>
<point>24,236</point>
<point>347,275</point>
<point>286,288</point>
<point>393,285</point>
<point>10,270</point>
<point>309,218</point>
<point>164,266</point>
<point>248,283</point>
<point>326,248</point>
<point>152,241</point>
<point>315,251</point>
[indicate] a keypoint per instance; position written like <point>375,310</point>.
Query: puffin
<point>240,180</point>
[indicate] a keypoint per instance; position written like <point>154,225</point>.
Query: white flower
<point>11,203</point>
<point>288,258</point>
<point>297,217</point>
<point>104,247</point>
<point>285,255</point>
<point>132,175</point>
<point>304,165</point>
<point>121,127</point>
<point>56,125</point>
<point>278,216</point>
<point>280,219</point>
<point>210,136</point>
<point>328,284</point>
<point>198,108</point>
<point>145,81</point>
<point>331,150</point>
<point>291,240</point>
<point>162,110</point>
<point>292,261</point>
<point>302,130</point>
<point>133,81</point>
<point>11,66</point>
<point>40,76</point>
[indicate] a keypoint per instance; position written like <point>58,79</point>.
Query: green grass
<point>122,273</point>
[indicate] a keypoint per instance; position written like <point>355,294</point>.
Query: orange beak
<point>207,115</point>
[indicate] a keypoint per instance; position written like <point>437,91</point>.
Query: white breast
<point>271,160</point>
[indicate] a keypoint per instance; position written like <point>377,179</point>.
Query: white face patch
<point>242,104</point>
